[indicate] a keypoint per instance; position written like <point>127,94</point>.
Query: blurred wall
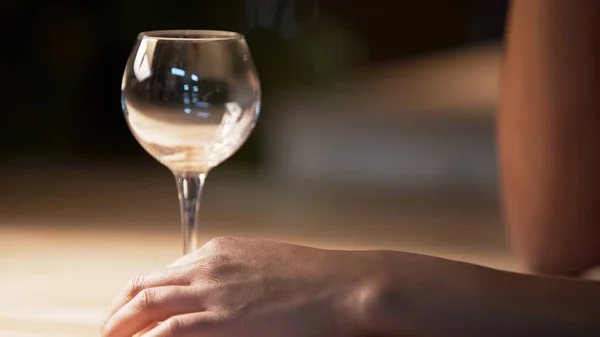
<point>418,125</point>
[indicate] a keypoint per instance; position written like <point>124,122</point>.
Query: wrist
<point>416,295</point>
<point>381,300</point>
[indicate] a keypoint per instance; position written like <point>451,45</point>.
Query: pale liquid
<point>186,140</point>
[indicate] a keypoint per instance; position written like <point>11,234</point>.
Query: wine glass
<point>191,99</point>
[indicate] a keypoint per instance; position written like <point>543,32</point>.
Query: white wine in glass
<point>191,99</point>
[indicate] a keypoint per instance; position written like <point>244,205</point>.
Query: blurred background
<point>376,131</point>
<point>327,62</point>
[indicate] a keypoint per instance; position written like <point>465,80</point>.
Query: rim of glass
<point>191,35</point>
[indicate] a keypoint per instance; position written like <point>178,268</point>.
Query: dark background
<point>63,60</point>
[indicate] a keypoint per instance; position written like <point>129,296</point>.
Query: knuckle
<point>214,266</point>
<point>135,285</point>
<point>216,242</point>
<point>173,327</point>
<point>222,241</point>
<point>145,299</point>
<point>217,260</point>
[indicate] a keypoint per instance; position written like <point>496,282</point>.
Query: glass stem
<point>189,188</point>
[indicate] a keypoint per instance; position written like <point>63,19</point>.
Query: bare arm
<point>549,133</point>
<point>445,298</point>
<point>236,287</point>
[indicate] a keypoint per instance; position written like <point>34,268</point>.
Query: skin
<point>550,162</point>
<point>548,136</point>
<point>234,287</point>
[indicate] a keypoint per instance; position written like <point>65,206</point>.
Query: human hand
<point>236,287</point>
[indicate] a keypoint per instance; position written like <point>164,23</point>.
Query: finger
<point>148,328</point>
<point>176,276</point>
<point>150,306</point>
<point>205,324</point>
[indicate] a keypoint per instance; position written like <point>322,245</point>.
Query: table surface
<point>67,249</point>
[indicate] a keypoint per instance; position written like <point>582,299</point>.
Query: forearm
<point>443,298</point>
<point>549,143</point>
